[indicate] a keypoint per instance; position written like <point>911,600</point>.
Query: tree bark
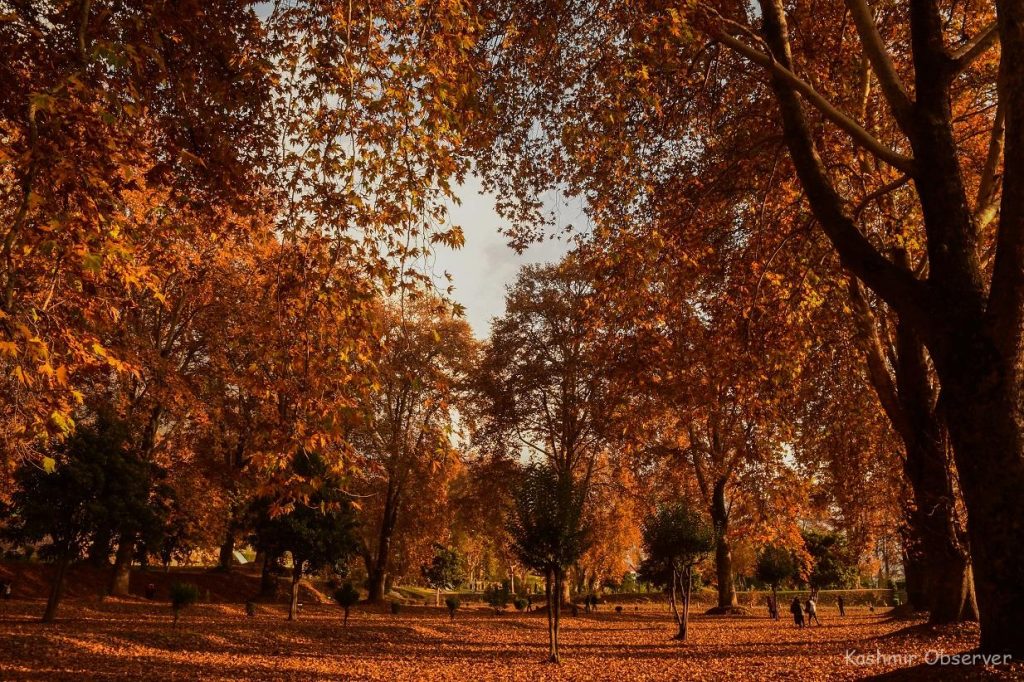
<point>56,590</point>
<point>975,332</point>
<point>268,578</point>
<point>723,549</point>
<point>226,558</point>
<point>914,572</point>
<point>684,622</point>
<point>120,581</point>
<point>377,571</point>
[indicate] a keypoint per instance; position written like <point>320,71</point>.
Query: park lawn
<point>133,639</point>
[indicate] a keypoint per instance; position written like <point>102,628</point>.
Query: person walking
<point>812,611</point>
<point>842,606</point>
<point>797,611</point>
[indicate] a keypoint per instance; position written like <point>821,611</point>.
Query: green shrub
<point>497,597</point>
<point>183,595</point>
<point>396,607</point>
<point>453,605</point>
<point>520,604</point>
<point>346,597</point>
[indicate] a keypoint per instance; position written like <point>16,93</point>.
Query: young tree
<point>675,540</point>
<point>444,572</point>
<point>317,528</point>
<point>775,565</point>
<point>549,533</point>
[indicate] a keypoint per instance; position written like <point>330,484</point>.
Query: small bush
<point>497,597</point>
<point>183,595</point>
<point>346,597</point>
<point>453,605</point>
<point>520,604</point>
<point>618,609</point>
<point>396,607</point>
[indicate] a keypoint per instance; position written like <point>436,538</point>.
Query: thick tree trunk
<point>723,550</point>
<point>987,439</point>
<point>914,572</point>
<point>120,581</point>
<point>56,590</point>
<point>937,560</point>
<point>99,549</point>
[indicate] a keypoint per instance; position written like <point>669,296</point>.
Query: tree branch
<point>976,47</point>
<point>893,88</point>
<point>854,129</point>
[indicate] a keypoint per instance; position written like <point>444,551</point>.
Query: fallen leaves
<point>121,640</point>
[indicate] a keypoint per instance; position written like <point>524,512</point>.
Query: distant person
<point>150,591</point>
<point>5,590</point>
<point>529,603</point>
<point>798,612</point>
<point>842,606</point>
<point>812,611</point>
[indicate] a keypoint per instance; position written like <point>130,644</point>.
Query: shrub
<point>520,604</point>
<point>453,604</point>
<point>396,607</point>
<point>497,597</point>
<point>183,595</point>
<point>346,597</point>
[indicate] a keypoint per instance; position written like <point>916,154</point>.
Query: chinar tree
<point>549,533</point>
<point>675,541</point>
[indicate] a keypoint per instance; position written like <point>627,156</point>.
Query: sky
<point>483,268</point>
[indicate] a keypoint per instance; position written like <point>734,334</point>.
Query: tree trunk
<point>938,562</point>
<point>549,595</point>
<point>914,571</point>
<point>723,550</point>
<point>226,558</point>
<point>775,602</point>
<point>56,590</point>
<point>684,621</point>
<point>375,585</point>
<point>99,549</point>
<point>120,581</point>
<point>268,577</point>
<point>293,607</point>
<point>559,579</point>
<point>987,440</point>
<point>377,572</point>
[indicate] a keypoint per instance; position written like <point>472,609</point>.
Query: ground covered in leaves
<point>133,639</point>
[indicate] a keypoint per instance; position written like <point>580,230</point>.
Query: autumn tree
<point>674,110</point>
<point>444,572</point>
<point>407,440</point>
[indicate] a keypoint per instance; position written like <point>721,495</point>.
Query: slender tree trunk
<point>226,559</point>
<point>685,620</point>
<point>672,596</point>
<point>56,590</point>
<point>293,607</point>
<point>550,590</point>
<point>120,581</point>
<point>723,549</point>
<point>775,602</point>
<point>559,579</point>
<point>378,571</point>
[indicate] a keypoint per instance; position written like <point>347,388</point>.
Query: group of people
<point>810,608</point>
<point>804,613</point>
